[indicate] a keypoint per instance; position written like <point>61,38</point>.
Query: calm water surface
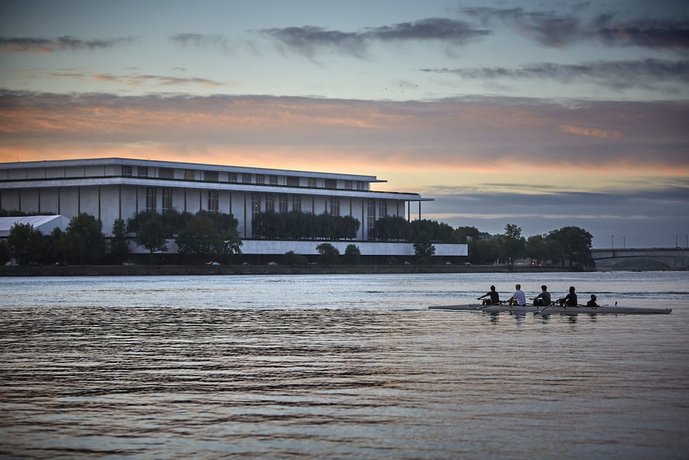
<point>339,367</point>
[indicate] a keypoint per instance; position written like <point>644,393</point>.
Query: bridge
<point>641,259</point>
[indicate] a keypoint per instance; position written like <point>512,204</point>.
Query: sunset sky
<point>539,113</point>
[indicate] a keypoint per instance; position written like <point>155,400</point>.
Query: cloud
<point>202,40</point>
<point>587,131</point>
<point>455,136</point>
<point>44,45</point>
<point>556,29</point>
<point>647,217</point>
<point>138,80</point>
<point>135,79</point>
<point>308,40</point>
<point>666,34</point>
<point>646,73</point>
<point>441,29</point>
<point>546,27</point>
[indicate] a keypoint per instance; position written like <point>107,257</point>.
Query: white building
<point>112,188</point>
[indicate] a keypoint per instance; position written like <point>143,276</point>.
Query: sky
<point>542,114</point>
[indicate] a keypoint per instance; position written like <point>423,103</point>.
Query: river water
<point>339,366</point>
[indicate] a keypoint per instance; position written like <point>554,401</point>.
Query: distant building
<point>113,188</point>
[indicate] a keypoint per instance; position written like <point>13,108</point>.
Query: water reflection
<point>166,375</point>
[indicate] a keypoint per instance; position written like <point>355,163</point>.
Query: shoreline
<point>215,270</point>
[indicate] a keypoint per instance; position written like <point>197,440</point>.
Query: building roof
<point>44,224</point>
<point>183,165</point>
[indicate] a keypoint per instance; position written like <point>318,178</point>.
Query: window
<point>255,204</point>
<point>270,204</point>
<point>360,186</point>
<point>334,206</point>
<point>282,203</point>
<point>382,209</point>
<point>312,182</point>
<point>165,173</point>
<point>213,200</point>
<point>232,177</point>
<point>370,218</point>
<point>210,176</point>
<point>273,180</point>
<point>126,170</point>
<point>142,171</point>
<point>167,199</point>
<point>260,179</point>
<point>151,199</point>
<point>189,174</point>
<point>330,183</point>
<point>349,185</point>
<point>246,178</point>
<point>292,181</point>
<point>296,203</point>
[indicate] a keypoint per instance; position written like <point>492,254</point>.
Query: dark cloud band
<point>646,73</point>
<point>45,45</point>
<point>309,39</point>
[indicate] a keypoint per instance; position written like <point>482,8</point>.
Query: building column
<point>119,201</point>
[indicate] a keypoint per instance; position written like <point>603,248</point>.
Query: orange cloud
<point>591,132</point>
<point>480,137</point>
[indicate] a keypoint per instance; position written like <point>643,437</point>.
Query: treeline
<point>400,229</point>
<point>567,246</point>
<point>203,233</point>
<point>215,234</point>
<point>83,241</point>
<point>295,225</point>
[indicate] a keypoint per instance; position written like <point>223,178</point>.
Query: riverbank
<point>208,270</point>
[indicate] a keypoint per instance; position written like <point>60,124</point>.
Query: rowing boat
<point>470,307</point>
<point>555,309</point>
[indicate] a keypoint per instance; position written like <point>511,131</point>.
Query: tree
<point>466,234</point>
<point>437,232</point>
<point>537,248</point>
<point>210,234</point>
<point>423,249</point>
<point>86,242</point>
<point>484,250</point>
<point>291,258</point>
<point>513,243</point>
<point>574,245</point>
<point>56,242</point>
<point>232,243</point>
<point>118,243</point>
<point>391,228</point>
<point>352,255</point>
<point>201,237</point>
<point>4,252</point>
<point>328,254</point>
<point>299,225</point>
<point>151,232</point>
<point>22,242</point>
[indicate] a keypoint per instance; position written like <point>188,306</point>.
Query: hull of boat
<point>552,310</point>
<point>555,309</point>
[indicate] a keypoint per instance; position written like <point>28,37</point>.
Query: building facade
<point>113,188</point>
